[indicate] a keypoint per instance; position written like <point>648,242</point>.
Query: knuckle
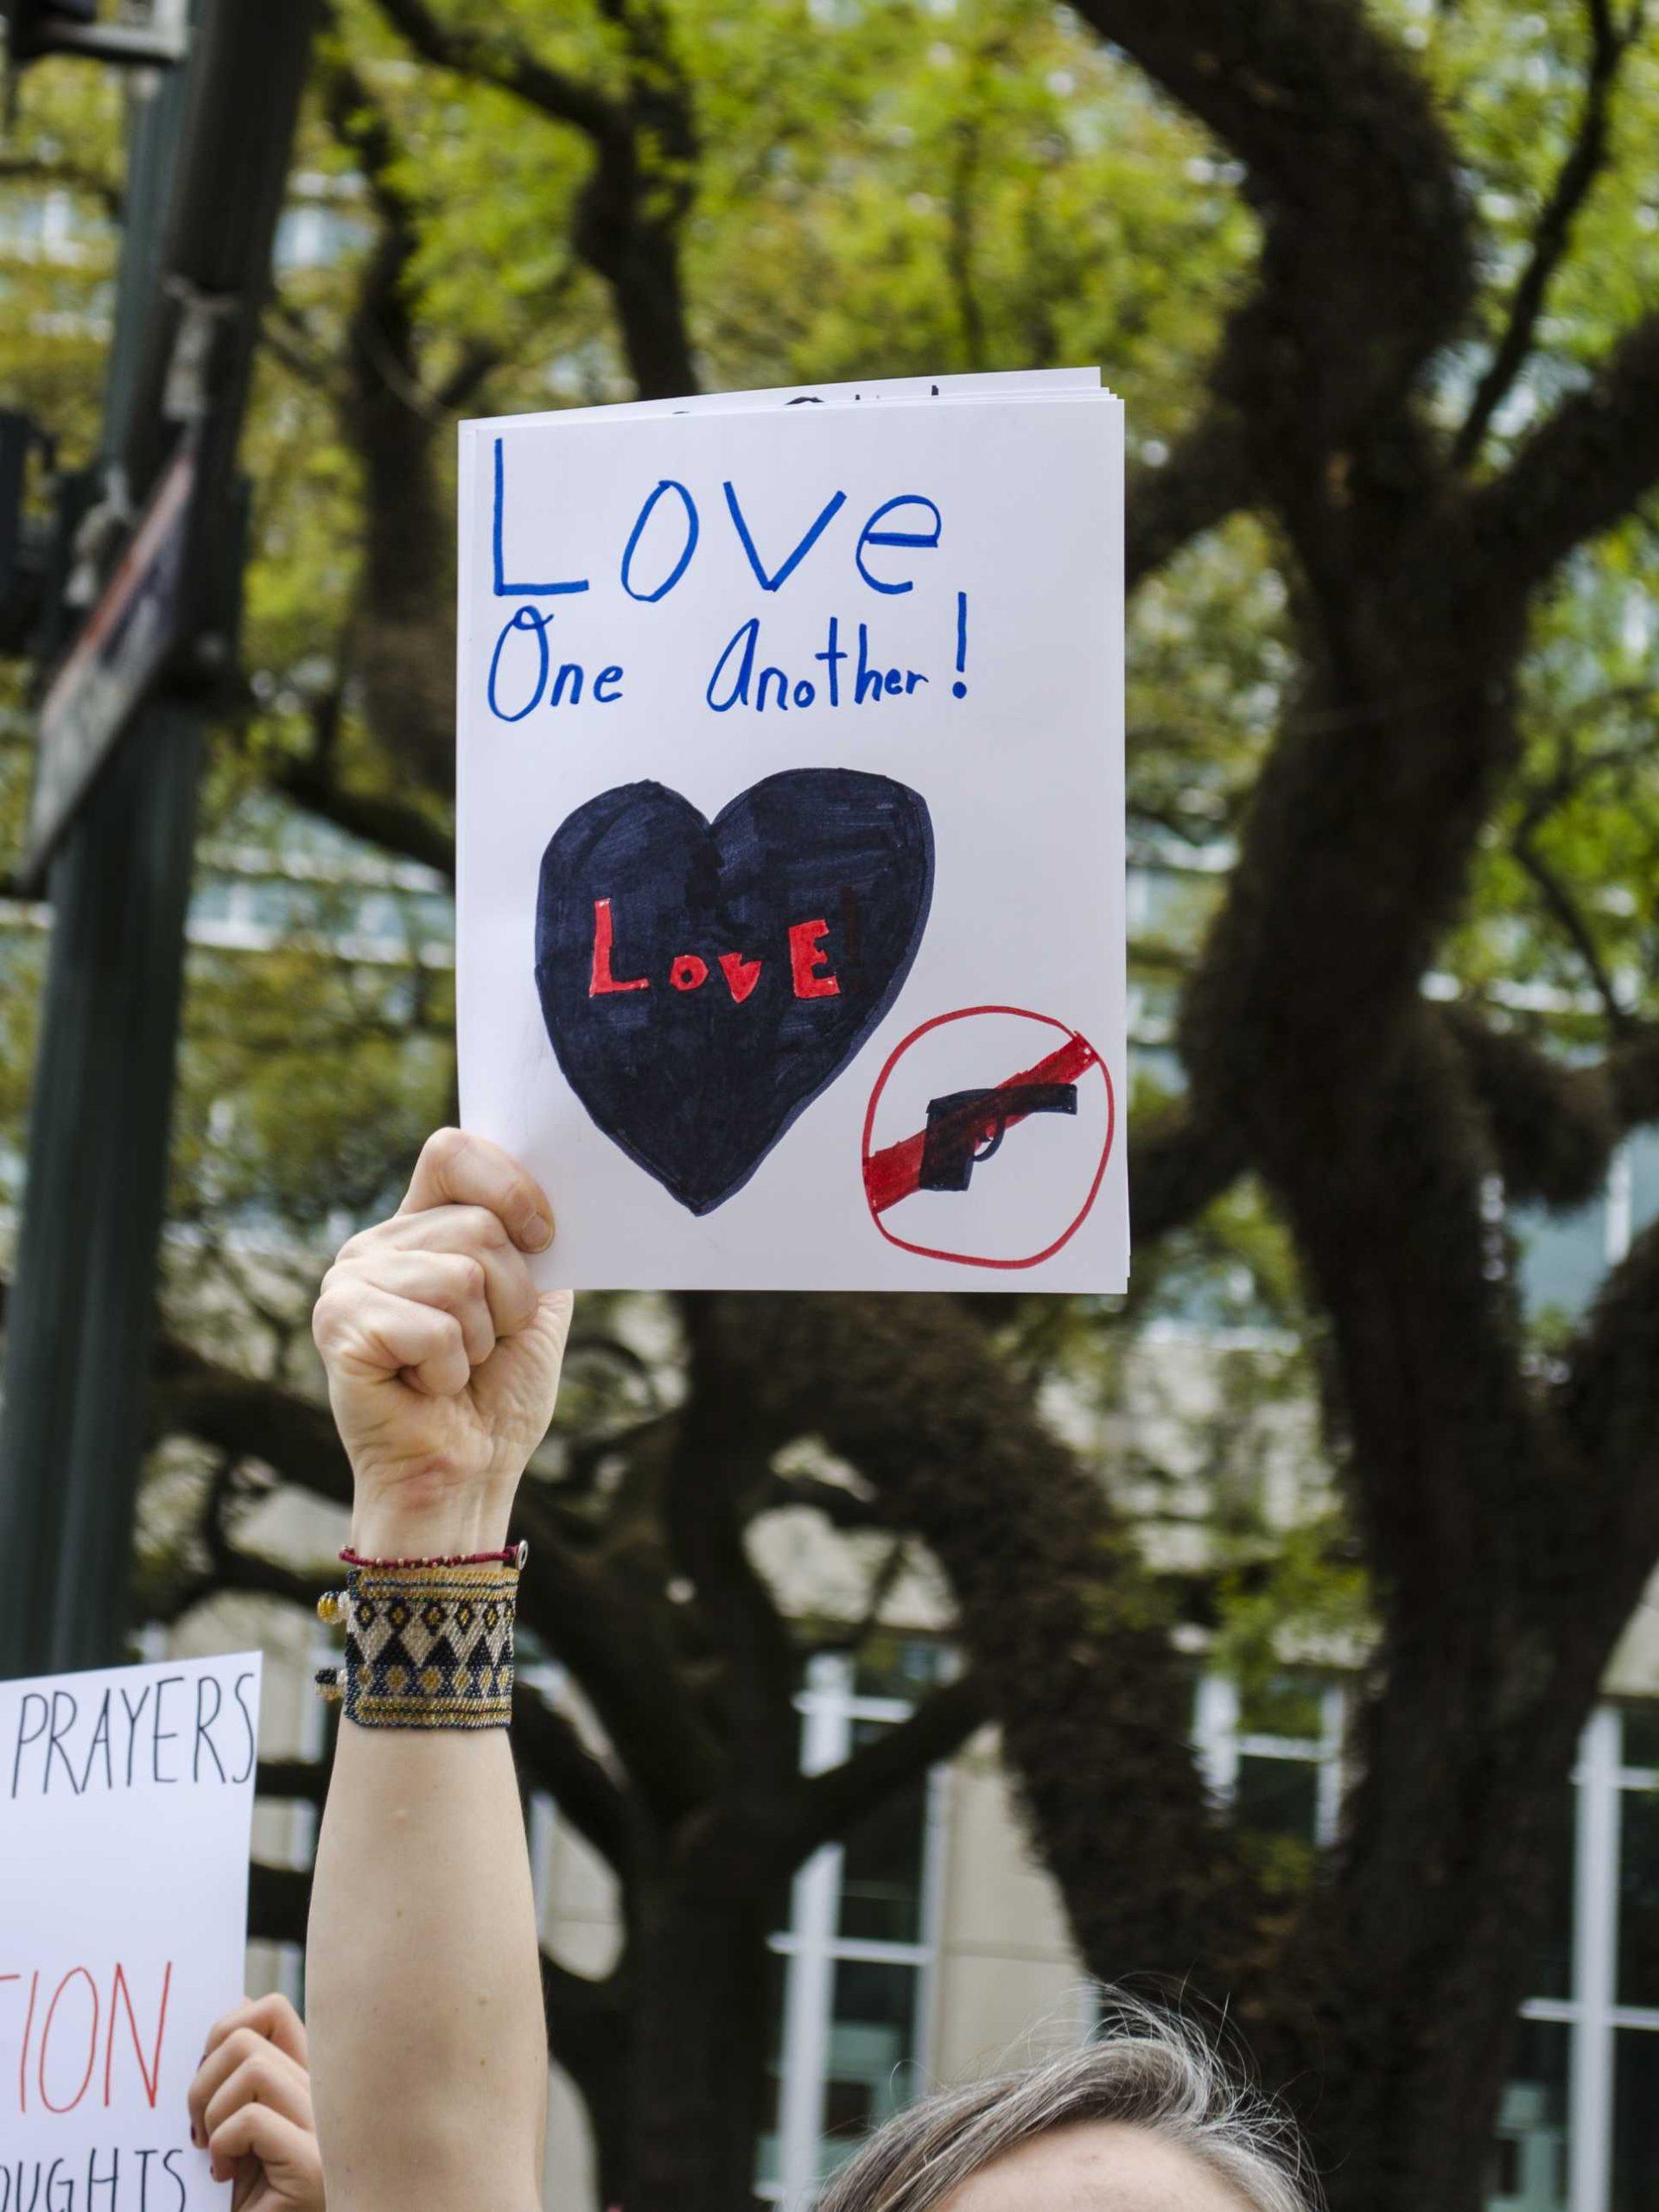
<point>326,1319</point>
<point>258,2073</point>
<point>444,1148</point>
<point>489,1231</point>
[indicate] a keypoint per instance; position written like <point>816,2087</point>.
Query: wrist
<point>386,1527</point>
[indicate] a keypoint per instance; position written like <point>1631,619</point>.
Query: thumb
<point>520,1380</point>
<point>551,1326</point>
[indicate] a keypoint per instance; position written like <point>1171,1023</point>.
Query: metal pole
<point>51,1280</point>
<point>210,152</point>
<point>128,885</point>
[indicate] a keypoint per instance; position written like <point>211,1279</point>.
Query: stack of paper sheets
<point>791,832</point>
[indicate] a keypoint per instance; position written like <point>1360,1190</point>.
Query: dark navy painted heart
<point>702,982</point>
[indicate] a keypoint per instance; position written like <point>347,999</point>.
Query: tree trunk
<point>698,1967</point>
<point>1424,1948</point>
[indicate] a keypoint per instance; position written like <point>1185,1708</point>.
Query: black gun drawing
<point>958,1123</point>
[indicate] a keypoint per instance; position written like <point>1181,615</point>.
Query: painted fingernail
<point>534,1232</point>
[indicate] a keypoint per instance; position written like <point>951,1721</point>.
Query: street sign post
<point>121,650</point>
<point>114,815</point>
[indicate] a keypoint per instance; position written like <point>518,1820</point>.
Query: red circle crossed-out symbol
<point>893,1173</point>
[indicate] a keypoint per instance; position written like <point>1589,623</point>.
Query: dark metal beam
<point>209,157</point>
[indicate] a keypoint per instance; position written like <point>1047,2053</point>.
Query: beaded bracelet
<point>509,1556</point>
<point>428,1643</point>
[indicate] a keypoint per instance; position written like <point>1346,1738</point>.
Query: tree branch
<point>1584,163</point>
<point>391,823</point>
<point>1609,1400</point>
<point>616,1646</point>
<point>631,208</point>
<point>1366,264</point>
<point>547,1744</point>
<point>279,1903</point>
<point>1179,1165</point>
<point>831,1803</point>
<point>495,58</point>
<point>618,1642</point>
<point>1579,473</point>
<point>840,1507</point>
<point>1570,919</point>
<point>285,334</point>
<point>715,1469</point>
<point>62,169</point>
<point>1064,1636</point>
<point>196,1396</point>
<point>1551,1128</point>
<point>1554,1127</point>
<point>1205,479</point>
<point>305,1780</point>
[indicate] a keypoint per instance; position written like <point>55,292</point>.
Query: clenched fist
<point>251,2105</point>
<point>443,1358</point>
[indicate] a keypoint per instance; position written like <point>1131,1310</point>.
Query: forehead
<point>1096,2166</point>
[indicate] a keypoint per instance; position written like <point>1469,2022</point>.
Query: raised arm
<point>428,2051</point>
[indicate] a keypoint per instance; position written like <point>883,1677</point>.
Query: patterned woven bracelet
<point>427,1645</point>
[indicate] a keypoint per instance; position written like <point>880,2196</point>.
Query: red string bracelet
<point>509,1555</point>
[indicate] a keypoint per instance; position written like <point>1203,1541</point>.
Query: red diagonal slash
<point>894,1173</point>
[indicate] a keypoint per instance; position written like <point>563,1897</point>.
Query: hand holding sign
<point>250,2107</point>
<point>442,1359</point>
<point>125,1798</point>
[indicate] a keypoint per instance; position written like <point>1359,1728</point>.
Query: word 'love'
<point>810,975</point>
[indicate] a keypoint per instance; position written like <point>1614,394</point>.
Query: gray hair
<point>1147,2068</point>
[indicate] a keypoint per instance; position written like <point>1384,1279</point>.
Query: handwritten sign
<point>791,739</point>
<point>125,1799</point>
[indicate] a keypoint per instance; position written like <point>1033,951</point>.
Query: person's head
<point>1145,2119</point>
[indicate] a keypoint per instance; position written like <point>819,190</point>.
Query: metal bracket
<point>202,315</point>
<point>128,46</point>
<point>101,531</point>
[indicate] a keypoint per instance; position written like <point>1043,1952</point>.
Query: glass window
<point>899,1667</point>
<point>1274,1755</point>
<point>1641,1149</point>
<point>1563,1257</point>
<point>1277,1796</point>
<point>854,1942</point>
<point>1160,1065</point>
<point>769,2150</point>
<point>1285,1705</point>
<point>882,1866</point>
<point>270,905</point>
<point>871,2044</point>
<point>1642,1735</point>
<point>211,901</point>
<point>1553,1974</point>
<point>1529,2165</point>
<point>1639,1899</point>
<point>1635,2122</point>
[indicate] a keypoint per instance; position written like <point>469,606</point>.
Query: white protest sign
<point>790,834</point>
<point>125,1799</point>
<point>977,384</point>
